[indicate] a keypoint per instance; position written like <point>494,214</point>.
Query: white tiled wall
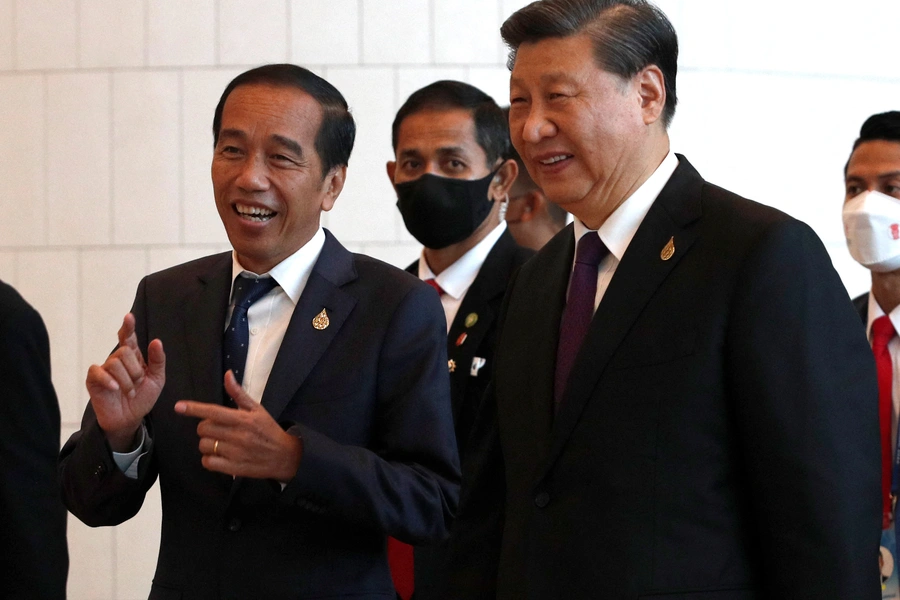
<point>105,143</point>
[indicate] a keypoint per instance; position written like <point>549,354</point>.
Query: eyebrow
<point>237,134</point>
<point>288,143</point>
<point>887,175</point>
<point>551,77</point>
<point>444,150</point>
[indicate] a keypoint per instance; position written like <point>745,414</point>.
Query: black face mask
<point>440,211</point>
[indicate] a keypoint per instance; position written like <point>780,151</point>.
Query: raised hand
<point>125,387</point>
<point>246,441</point>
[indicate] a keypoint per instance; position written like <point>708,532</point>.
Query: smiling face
<point>581,131</point>
<point>874,167</point>
<point>267,175</point>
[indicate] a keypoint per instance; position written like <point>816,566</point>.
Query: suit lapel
<point>489,285</point>
<point>204,325</point>
<point>638,276</point>
<point>304,344</point>
<point>527,344</point>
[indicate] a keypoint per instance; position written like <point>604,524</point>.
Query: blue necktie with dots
<point>237,335</point>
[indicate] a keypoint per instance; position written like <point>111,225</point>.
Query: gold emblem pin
<point>451,365</point>
<point>471,319</point>
<point>668,250</point>
<point>321,321</point>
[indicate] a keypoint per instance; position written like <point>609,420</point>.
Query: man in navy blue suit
<point>332,434</point>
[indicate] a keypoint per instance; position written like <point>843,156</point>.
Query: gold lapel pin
<point>471,319</point>
<point>668,250</point>
<point>320,321</point>
<point>451,365</point>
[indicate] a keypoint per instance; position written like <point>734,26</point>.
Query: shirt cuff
<point>128,461</point>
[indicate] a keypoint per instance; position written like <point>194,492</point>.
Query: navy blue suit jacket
<point>369,395</point>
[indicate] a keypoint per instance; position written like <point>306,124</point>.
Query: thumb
<point>156,360</point>
<point>243,400</point>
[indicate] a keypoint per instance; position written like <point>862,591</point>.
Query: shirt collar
<point>620,227</point>
<point>457,278</point>
<point>293,272</point>
<point>876,311</point>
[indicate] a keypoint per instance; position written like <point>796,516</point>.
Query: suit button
<point>542,500</point>
<point>100,471</point>
<point>234,524</point>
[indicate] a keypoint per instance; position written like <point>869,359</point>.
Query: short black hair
<point>627,36</point>
<point>334,141</point>
<point>881,127</point>
<point>491,127</point>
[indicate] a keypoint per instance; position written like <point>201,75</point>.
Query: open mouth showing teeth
<point>555,159</point>
<point>254,213</point>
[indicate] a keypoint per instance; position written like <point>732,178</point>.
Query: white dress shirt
<point>456,279</point>
<point>267,319</point>
<point>875,311</point>
<point>620,227</point>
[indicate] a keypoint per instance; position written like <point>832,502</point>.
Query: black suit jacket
<point>718,438</point>
<point>369,396</point>
<point>483,299</point>
<point>34,558</point>
<point>861,303</point>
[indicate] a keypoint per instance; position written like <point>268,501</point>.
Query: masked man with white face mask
<point>452,174</point>
<point>871,217</point>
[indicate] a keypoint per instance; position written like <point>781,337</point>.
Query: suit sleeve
<point>94,489</point>
<point>33,552</point>
<point>406,482</point>
<point>803,383</point>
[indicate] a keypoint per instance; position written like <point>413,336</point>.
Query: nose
<point>254,175</point>
<point>536,125</point>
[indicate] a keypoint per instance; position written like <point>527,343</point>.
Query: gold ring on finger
<point>216,448</point>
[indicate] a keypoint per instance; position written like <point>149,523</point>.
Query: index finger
<point>205,410</point>
<point>127,337</point>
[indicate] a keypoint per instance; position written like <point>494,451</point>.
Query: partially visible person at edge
<point>34,557</point>
<point>684,406</point>
<point>452,178</point>
<point>871,216</point>
<point>291,397</point>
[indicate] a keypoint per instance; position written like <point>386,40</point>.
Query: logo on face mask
<point>440,211</point>
<point>872,228</point>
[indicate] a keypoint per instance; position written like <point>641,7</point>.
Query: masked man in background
<point>872,226</point>
<point>452,175</point>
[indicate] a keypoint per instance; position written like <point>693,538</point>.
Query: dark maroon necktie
<point>579,311</point>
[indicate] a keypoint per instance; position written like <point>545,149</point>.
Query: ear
<point>391,169</point>
<point>503,180</point>
<point>333,185</point>
<point>652,90</point>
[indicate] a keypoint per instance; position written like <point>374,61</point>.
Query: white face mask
<point>872,229</point>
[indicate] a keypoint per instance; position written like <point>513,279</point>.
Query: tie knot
<point>247,290</point>
<point>435,285</point>
<point>591,249</point>
<point>882,331</point>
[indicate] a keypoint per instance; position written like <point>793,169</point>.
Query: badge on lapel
<point>320,321</point>
<point>477,363</point>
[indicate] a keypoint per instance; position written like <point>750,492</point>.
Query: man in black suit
<point>452,176</point>
<point>688,410</point>
<point>871,216</point>
<point>352,441</point>
<point>34,558</point>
